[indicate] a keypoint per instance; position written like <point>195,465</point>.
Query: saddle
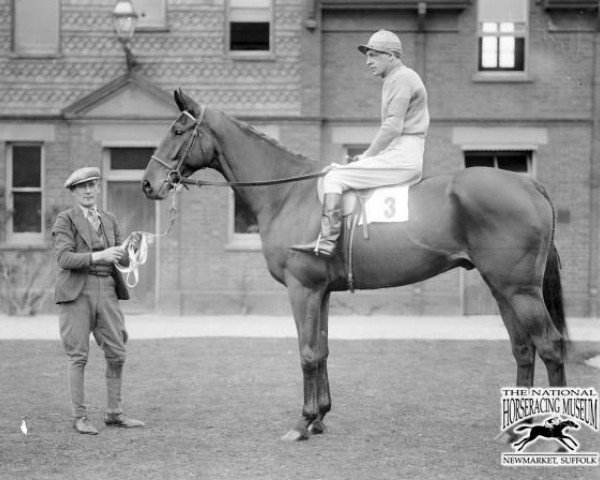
<point>355,213</point>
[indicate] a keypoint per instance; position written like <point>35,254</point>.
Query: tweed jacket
<point>73,247</point>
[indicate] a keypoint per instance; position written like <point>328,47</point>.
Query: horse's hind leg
<point>523,348</point>
<point>535,319</point>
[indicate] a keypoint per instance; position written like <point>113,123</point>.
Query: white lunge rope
<point>136,258</point>
<point>139,256</point>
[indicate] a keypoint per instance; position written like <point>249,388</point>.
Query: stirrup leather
<point>317,242</point>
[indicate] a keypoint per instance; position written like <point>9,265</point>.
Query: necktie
<point>93,217</point>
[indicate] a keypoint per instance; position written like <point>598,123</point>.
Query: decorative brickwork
<point>313,82</point>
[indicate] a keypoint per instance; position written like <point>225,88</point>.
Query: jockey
<point>396,153</point>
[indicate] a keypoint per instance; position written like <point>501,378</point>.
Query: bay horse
<point>498,222</point>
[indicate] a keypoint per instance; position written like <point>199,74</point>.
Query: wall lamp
<point>124,20</point>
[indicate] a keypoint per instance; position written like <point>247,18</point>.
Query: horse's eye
<point>178,130</point>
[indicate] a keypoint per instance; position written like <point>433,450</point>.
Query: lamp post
<point>124,21</point>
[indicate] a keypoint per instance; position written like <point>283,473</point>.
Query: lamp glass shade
<point>124,19</point>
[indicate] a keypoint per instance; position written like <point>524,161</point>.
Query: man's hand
<point>108,256</point>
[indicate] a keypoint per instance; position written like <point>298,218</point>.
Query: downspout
<point>421,52</point>
<point>594,271</point>
<point>418,303</point>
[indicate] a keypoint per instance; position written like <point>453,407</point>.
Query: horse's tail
<point>521,428</point>
<point>552,285</point>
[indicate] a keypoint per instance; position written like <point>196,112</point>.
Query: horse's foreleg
<point>564,439</point>
<point>310,307</point>
<point>323,395</point>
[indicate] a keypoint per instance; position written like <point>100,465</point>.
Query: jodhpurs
<point>96,310</point>
<point>400,162</point>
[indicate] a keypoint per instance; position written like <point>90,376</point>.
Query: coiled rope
<point>138,255</point>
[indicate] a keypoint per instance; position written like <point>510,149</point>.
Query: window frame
<point>162,27</point>
<point>498,35</point>
<point>529,151</point>
<point>239,241</point>
<point>15,53</point>
<point>24,238</point>
<point>502,74</point>
<point>249,54</point>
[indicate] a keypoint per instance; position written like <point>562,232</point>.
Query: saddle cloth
<point>382,204</point>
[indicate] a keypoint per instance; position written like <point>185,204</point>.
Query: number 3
<point>391,204</point>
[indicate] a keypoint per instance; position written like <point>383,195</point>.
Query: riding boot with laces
<point>331,226</point>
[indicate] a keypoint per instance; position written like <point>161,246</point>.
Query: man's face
<point>86,194</point>
<point>378,62</point>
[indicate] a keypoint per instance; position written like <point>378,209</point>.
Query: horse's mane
<point>246,127</point>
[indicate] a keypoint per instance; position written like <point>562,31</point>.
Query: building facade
<point>512,84</point>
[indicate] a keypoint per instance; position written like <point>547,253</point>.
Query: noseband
<point>174,175</point>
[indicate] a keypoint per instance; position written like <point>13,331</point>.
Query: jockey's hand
<point>330,167</point>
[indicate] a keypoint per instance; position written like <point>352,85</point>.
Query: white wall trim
<point>501,138</point>
<point>27,132</point>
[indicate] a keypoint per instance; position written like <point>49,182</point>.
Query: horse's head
<point>188,147</point>
<point>569,423</point>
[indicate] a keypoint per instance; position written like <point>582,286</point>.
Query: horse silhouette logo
<point>552,428</point>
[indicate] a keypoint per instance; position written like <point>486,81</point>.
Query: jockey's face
<point>379,63</point>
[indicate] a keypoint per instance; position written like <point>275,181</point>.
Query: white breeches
<point>400,162</point>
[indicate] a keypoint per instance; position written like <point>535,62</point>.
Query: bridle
<point>175,177</point>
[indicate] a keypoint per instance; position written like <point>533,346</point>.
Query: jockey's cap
<point>383,41</point>
<point>82,175</point>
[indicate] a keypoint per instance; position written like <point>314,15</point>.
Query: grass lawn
<point>216,408</point>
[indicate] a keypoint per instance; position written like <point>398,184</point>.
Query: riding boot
<point>331,226</point>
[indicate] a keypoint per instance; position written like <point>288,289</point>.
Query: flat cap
<point>82,175</point>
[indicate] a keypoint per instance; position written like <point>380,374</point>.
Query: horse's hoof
<point>317,427</point>
<point>294,436</point>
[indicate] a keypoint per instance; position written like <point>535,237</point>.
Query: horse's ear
<point>179,100</point>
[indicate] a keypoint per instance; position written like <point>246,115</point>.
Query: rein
<point>258,183</point>
<point>139,255</point>
<point>175,178</point>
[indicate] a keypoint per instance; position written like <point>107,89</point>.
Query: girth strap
<point>349,237</point>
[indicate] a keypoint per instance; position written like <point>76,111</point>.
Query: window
<point>513,160</point>
<point>249,26</point>
<point>502,34</point>
<point>152,14</point>
<point>24,193</point>
<point>130,158</point>
<point>243,227</point>
<point>244,221</point>
<point>36,27</point>
<point>353,150</point>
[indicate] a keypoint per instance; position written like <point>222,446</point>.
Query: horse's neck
<point>244,157</point>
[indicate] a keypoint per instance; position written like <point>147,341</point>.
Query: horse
<point>500,223</point>
<point>552,431</point>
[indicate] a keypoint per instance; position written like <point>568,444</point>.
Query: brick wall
<point>316,82</point>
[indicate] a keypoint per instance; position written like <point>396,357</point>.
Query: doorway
<point>123,196</point>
